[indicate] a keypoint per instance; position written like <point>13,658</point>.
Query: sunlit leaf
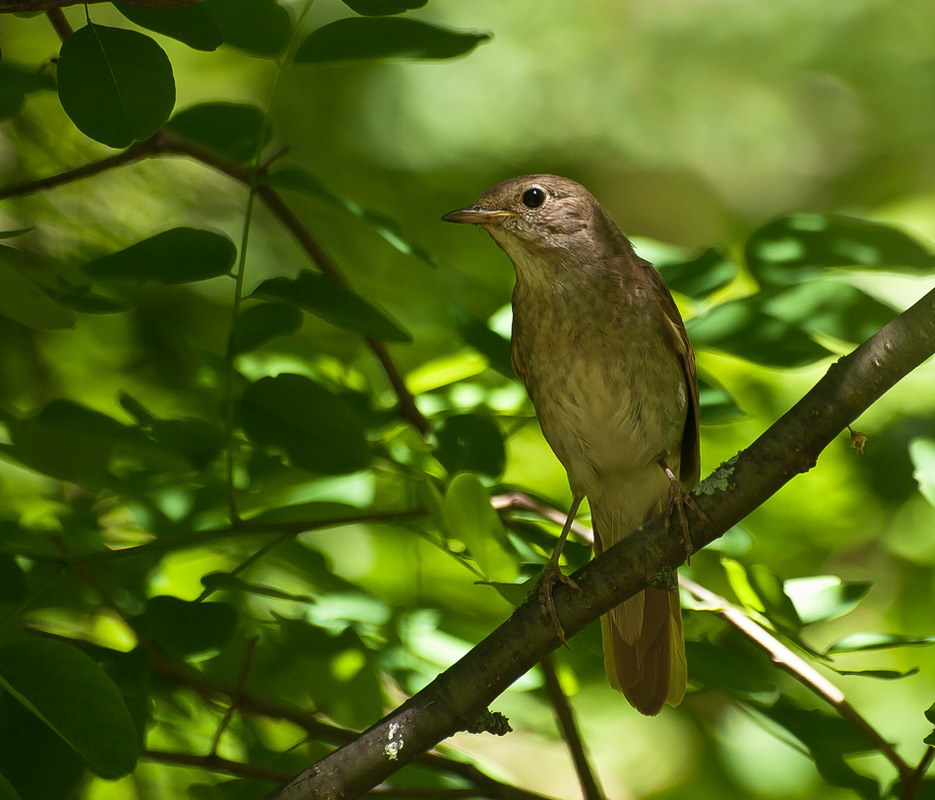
<point>334,303</point>
<point>740,584</point>
<point>356,39</point>
<point>232,129</point>
<point>470,443</point>
<point>296,179</point>
<point>717,406</point>
<point>260,323</point>
<point>469,517</point>
<point>188,630</point>
<point>822,597</point>
<point>922,453</point>
<point>116,85</point>
<point>260,27</point>
<point>379,8</point>
<point>179,255</point>
<point>314,427</point>
<point>194,25</point>
<point>790,249</point>
<point>75,698</point>
<point>857,642</point>
<point>779,608</point>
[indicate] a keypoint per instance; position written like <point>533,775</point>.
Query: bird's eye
<point>533,198</point>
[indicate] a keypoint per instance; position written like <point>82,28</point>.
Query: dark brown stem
<point>31,6</point>
<point>790,446</point>
<point>62,26</point>
<point>789,661</point>
<point>913,781</point>
<point>569,729</point>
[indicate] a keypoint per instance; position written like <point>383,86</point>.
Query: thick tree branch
<point>791,446</point>
<point>28,6</point>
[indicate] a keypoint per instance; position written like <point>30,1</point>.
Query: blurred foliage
<point>213,492</point>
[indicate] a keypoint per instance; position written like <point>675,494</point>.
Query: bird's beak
<point>478,216</point>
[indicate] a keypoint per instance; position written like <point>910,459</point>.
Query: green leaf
<point>333,303</point>
<point>7,792</point>
<point>379,8</point>
<point>17,232</point>
<point>192,631</point>
<point>858,642</point>
<point>879,674</point>
<point>741,328</point>
<point>717,406</point>
<point>470,443</point>
<point>699,277</point>
<point>87,302</point>
<point>194,25</point>
<point>779,608</point>
<point>356,39</point>
<point>469,517</point>
<point>235,130</point>
<point>75,698</point>
<point>741,586</point>
<point>260,323</point>
<point>116,85</point>
<point>24,302</point>
<point>259,27</point>
<point>224,581</point>
<point>296,179</point>
<point>196,440</point>
<point>922,453</point>
<point>314,427</point>
<point>179,255</point>
<point>17,81</point>
<point>930,713</point>
<point>14,585</point>
<point>822,597</point>
<point>478,335</point>
<point>788,250</point>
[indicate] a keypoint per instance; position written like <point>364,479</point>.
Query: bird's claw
<point>676,501</point>
<point>551,575</point>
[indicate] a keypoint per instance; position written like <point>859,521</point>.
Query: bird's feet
<point>551,575</point>
<point>676,501</point>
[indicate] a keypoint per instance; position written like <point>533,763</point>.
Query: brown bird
<point>603,352</point>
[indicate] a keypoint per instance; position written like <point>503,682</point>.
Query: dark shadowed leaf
<point>75,698</point>
<point>790,249</point>
<point>740,328</point>
<point>87,302</point>
<point>194,25</point>
<point>380,8</point>
<point>13,233</point>
<point>116,85</point>
<point>334,303</point>
<point>356,39</point>
<point>7,792</point>
<point>314,427</point>
<point>299,180</point>
<point>470,443</point>
<point>478,335</point>
<point>24,302</point>
<point>194,631</point>
<point>717,406</point>
<point>260,27</point>
<point>879,674</point>
<point>17,81</point>
<point>13,581</point>
<point>196,440</point>
<point>258,324</point>
<point>730,665</point>
<point>779,608</point>
<point>179,255</point>
<point>233,129</point>
<point>700,276</point>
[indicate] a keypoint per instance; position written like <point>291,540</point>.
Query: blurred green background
<point>695,122</point>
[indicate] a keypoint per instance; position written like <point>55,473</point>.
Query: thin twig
<point>569,729</point>
<point>236,695</point>
<point>798,668</point>
<point>62,26</point>
<point>914,781</point>
<point>214,763</point>
<point>33,6</point>
<point>522,501</point>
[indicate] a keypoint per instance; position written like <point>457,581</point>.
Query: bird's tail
<point>644,649</point>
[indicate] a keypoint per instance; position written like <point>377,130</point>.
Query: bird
<point>603,352</point>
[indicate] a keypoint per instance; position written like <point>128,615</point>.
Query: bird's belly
<point>609,413</point>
